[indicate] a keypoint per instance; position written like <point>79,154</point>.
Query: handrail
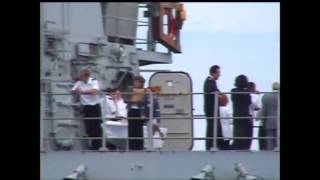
<point>215,123</point>
<point>124,19</point>
<point>178,118</point>
<point>103,115</point>
<point>194,138</point>
<point>150,122</point>
<point>149,125</point>
<point>128,93</point>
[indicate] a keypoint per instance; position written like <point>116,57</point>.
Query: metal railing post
<point>150,123</point>
<point>215,122</point>
<point>150,137</point>
<point>150,46</point>
<point>127,139</point>
<point>277,148</point>
<point>103,116</point>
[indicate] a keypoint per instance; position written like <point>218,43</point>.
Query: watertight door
<point>175,106</point>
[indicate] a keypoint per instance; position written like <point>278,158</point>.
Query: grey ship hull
<point>158,165</point>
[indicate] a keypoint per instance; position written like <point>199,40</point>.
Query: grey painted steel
<point>181,138</point>
<point>278,124</point>
<point>175,107</point>
<point>158,165</point>
<point>150,123</point>
<point>176,118</point>
<point>103,117</point>
<point>151,46</point>
<point>121,19</point>
<point>148,57</point>
<point>68,27</point>
<point>65,27</point>
<point>181,94</point>
<point>153,70</point>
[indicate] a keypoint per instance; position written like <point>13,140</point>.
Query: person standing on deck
<point>241,103</point>
<point>137,114</point>
<point>88,89</point>
<point>255,106</point>
<point>210,86</point>
<point>270,108</point>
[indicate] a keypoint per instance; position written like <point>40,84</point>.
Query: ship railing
<point>151,117</point>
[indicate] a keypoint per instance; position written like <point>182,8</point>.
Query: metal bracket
<point>64,86</point>
<point>71,105</point>
<point>68,124</point>
<point>214,149</point>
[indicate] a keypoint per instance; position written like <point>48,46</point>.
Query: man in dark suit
<point>210,86</point>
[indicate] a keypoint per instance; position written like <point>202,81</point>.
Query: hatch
<point>175,106</point>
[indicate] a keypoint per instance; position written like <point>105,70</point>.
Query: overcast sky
<point>243,38</point>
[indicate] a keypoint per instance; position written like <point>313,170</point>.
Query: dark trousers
<point>135,130</point>
<point>221,143</point>
<point>262,142</point>
<point>271,143</point>
<point>242,128</point>
<point>93,126</point>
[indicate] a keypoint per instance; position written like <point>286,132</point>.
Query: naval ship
<point>103,38</point>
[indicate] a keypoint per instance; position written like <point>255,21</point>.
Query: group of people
<point>247,107</point>
<point>133,110</point>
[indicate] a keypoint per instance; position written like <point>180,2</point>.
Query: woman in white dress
<point>255,106</point>
<point>225,121</point>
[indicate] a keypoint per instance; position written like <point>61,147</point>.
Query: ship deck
<point>159,164</point>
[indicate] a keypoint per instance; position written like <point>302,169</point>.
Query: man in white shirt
<point>88,89</point>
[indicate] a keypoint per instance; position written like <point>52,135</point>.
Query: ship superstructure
<point>102,37</point>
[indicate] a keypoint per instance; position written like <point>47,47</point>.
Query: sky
<point>242,38</point>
